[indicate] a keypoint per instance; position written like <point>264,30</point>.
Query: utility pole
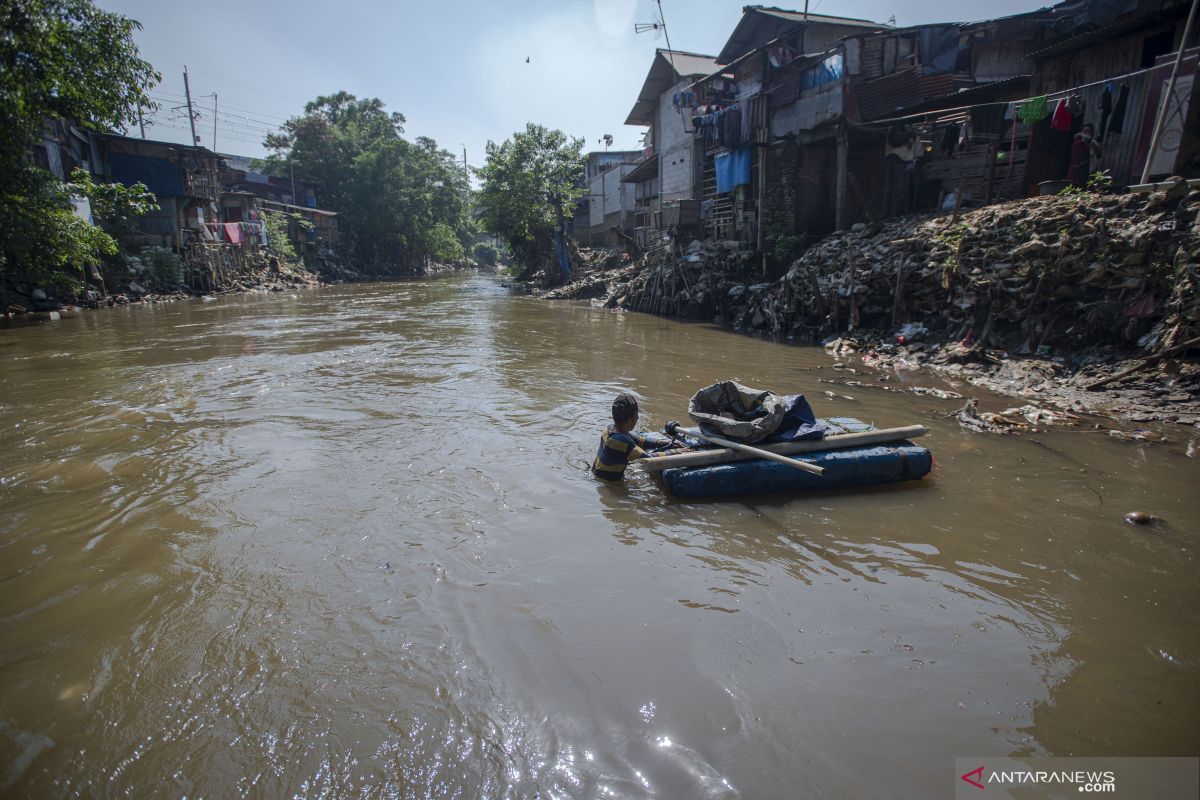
<point>187,90</point>
<point>292,173</point>
<point>214,145</point>
<point>467,176</point>
<point>141,123</point>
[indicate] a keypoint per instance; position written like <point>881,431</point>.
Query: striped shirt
<point>618,449</point>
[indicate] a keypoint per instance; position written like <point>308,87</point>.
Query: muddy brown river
<point>344,543</point>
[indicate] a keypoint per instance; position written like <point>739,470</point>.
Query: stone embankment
<point>1049,299</point>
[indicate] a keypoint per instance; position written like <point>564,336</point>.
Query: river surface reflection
<point>344,542</point>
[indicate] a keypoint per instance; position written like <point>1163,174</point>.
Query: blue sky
<point>456,70</point>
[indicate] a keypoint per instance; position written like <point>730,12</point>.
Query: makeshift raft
<point>852,453</point>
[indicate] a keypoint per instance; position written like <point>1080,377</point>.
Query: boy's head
<point>625,413</point>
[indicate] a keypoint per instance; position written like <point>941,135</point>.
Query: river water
<point>344,543</point>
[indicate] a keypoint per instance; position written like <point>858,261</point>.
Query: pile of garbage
<point>1037,298</point>
<point>1046,274</point>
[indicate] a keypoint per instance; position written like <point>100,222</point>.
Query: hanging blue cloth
<point>733,169</point>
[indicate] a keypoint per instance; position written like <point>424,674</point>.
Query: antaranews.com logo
<point>1162,778</point>
<point>1086,781</point>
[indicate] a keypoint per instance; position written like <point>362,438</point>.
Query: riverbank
<point>1039,299</point>
<point>28,303</point>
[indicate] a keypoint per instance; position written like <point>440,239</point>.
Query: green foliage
<point>785,247</point>
<point>163,269</point>
<point>444,246</point>
<point>396,198</point>
<point>46,243</point>
<point>113,204</point>
<point>58,58</point>
<point>524,179</point>
<point>278,243</point>
<point>1098,183</point>
<point>485,253</point>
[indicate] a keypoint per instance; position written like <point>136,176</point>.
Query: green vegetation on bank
<point>528,180</point>
<point>402,203</point>
<point>62,58</point>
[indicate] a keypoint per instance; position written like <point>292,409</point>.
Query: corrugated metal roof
<point>800,16</point>
<point>689,64</point>
<point>760,23</point>
<point>642,172</point>
<point>898,91</point>
<point>667,69</point>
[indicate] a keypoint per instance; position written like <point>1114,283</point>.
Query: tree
<point>398,199</point>
<point>58,58</point>
<point>527,181</point>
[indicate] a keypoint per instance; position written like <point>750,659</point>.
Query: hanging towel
<point>1118,115</point>
<point>1061,121</point>
<point>1105,111</point>
<point>1033,109</point>
<point>233,232</point>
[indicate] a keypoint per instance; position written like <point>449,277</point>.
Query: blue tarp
<point>160,176</point>
<point>733,169</point>
<point>939,49</point>
<point>799,423</point>
<point>828,71</point>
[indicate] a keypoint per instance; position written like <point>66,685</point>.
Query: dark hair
<point>624,408</point>
<point>1088,125</point>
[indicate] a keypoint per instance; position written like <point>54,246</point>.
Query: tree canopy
<point>526,181</point>
<point>58,58</point>
<point>401,202</point>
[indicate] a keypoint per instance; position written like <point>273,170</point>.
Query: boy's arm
<point>650,441</point>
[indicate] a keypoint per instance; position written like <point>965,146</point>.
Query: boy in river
<point>619,445</point>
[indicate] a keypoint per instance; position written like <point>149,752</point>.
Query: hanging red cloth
<point>1061,121</point>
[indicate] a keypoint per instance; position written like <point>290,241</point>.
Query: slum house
<point>238,174</point>
<point>731,109</point>
<point>960,113</point>
<point>63,148</point>
<point>665,178</point>
<point>876,126</point>
<point>190,220</point>
<point>1109,66</point>
<point>310,230</point>
<point>932,100</point>
<point>609,202</point>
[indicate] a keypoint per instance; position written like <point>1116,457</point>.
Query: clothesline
<point>1049,96</point>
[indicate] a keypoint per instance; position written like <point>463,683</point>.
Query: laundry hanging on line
<point>733,168</point>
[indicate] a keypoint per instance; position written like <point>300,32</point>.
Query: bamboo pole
<point>839,442</point>
<point>757,452</point>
